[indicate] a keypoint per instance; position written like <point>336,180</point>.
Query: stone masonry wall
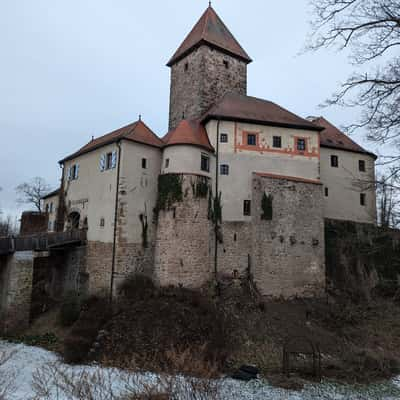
<point>182,253</point>
<point>16,288</point>
<point>195,89</point>
<point>288,251</point>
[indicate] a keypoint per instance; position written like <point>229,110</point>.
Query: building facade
<point>238,187</point>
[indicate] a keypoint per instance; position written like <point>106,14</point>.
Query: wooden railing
<point>41,241</point>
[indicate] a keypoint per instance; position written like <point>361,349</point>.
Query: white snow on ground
<point>26,360</point>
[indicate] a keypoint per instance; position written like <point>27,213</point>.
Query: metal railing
<point>41,241</point>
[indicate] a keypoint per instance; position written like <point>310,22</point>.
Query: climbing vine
<point>169,191</point>
<point>266,206</point>
<point>145,227</point>
<point>200,187</point>
<point>215,214</point>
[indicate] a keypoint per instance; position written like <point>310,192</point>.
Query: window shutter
<point>114,159</point>
<point>69,174</point>
<point>102,164</point>
<point>76,171</point>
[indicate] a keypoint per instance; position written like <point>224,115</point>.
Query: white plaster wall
<point>98,188</point>
<point>345,184</point>
<point>237,186</point>
<point>139,186</point>
<point>53,213</point>
<point>186,159</point>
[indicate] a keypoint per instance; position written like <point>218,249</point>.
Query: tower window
<point>361,165</point>
<point>226,64</point>
<point>166,162</point>
<point>251,139</point>
<point>186,66</point>
<point>335,161</point>
<point>301,144</point>
<point>247,207</point>
<point>205,163</point>
<point>224,138</point>
<point>277,142</point>
<point>362,199</point>
<point>102,222</point>
<point>224,169</point>
<point>326,192</point>
<point>144,163</point>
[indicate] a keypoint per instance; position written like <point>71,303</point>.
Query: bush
<point>137,287</point>
<point>95,312</point>
<point>70,309</point>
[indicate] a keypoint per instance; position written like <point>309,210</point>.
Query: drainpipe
<point>115,224</point>
<point>216,222</point>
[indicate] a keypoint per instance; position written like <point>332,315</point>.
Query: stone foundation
<point>16,275</point>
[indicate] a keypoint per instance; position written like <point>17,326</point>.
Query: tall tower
<point>209,63</point>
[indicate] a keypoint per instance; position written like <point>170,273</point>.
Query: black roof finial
<point>140,117</point>
<point>209,4</point>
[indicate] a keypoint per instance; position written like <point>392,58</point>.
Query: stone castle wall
<point>288,251</point>
<point>182,252</point>
<point>195,89</point>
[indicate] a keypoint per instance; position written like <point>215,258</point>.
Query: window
<point>251,139</point>
<point>108,161</point>
<point>102,222</point>
<point>224,169</point>
<point>361,165</point>
<point>334,161</point>
<point>326,192</point>
<point>362,199</point>
<point>277,142</point>
<point>301,144</point>
<point>186,66</point>
<point>205,163</point>
<point>166,162</point>
<point>51,208</point>
<point>247,207</point>
<point>109,158</point>
<point>226,64</point>
<point>73,172</point>
<point>224,138</point>
<point>144,163</point>
<point>47,208</point>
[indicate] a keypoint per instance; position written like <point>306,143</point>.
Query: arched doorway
<point>73,220</point>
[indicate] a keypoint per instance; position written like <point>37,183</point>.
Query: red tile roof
<point>333,138</point>
<point>136,132</point>
<point>188,132</point>
<point>212,31</point>
<point>242,108</point>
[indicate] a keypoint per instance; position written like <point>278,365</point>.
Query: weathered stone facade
<point>182,252</point>
<point>16,275</point>
<point>288,250</point>
<point>201,79</point>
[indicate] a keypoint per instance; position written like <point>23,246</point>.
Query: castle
<point>239,185</point>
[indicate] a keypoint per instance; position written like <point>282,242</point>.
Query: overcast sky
<point>70,69</point>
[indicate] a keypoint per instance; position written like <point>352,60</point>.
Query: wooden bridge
<point>41,241</point>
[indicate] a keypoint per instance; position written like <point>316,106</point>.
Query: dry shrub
<point>137,287</point>
<point>95,312</point>
<point>70,309</point>
<point>174,324</point>
<point>56,381</point>
<point>7,384</point>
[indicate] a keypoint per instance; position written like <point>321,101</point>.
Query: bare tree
<point>388,201</point>
<point>370,29</point>
<point>32,192</point>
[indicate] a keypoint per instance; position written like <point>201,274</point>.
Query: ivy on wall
<point>200,187</point>
<point>266,206</point>
<point>169,191</point>
<point>145,227</point>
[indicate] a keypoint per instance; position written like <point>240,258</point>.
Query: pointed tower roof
<point>188,132</point>
<point>212,31</point>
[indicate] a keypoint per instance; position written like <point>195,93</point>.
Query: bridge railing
<point>41,241</point>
